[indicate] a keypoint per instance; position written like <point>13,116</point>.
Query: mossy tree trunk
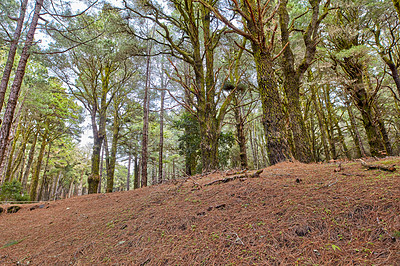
<point>356,133</point>
<point>112,158</point>
<point>99,128</point>
<point>19,161</point>
<point>98,137</point>
<point>44,184</point>
<point>35,176</point>
<point>11,159</point>
<point>360,98</point>
<point>293,75</point>
<point>31,155</point>
<point>322,127</point>
<point>273,118</point>
<point>240,135</point>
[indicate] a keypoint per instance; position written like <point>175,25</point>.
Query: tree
<point>16,86</point>
<point>259,28</point>
<point>101,69</point>
<point>12,51</point>
<point>57,116</point>
<point>351,56</point>
<point>194,22</point>
<point>293,75</point>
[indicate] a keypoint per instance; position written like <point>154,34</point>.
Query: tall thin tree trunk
<point>161,146</point>
<point>56,184</point>
<point>44,182</point>
<point>341,139</point>
<point>382,131</point>
<point>145,132</point>
<point>322,127</point>
<point>16,86</point>
<point>30,160</point>
<point>128,177</point>
<point>19,161</point>
<point>253,147</point>
<point>113,153</point>
<point>12,52</point>
<point>101,166</point>
<point>136,183</point>
<point>240,137</point>
<point>11,159</point>
<point>330,123</point>
<point>357,134</point>
<point>35,176</point>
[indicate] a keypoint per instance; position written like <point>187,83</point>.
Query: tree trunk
<point>45,182</point>
<point>161,145</point>
<point>363,103</point>
<point>341,139</point>
<point>103,148</point>
<point>56,185</point>
<point>396,4</point>
<point>209,132</point>
<point>293,75</point>
<point>35,176</point>
<point>112,158</point>
<point>80,188</point>
<point>136,183</point>
<point>358,140</point>
<point>30,160</point>
<point>100,132</point>
<point>321,124</point>
<point>16,86</point>
<point>301,143</point>
<point>19,161</point>
<point>94,178</point>
<point>273,116</point>
<point>11,53</point>
<point>395,74</point>
<point>128,177</point>
<point>11,159</point>
<point>383,132</point>
<point>145,132</point>
<point>240,137</point>
<point>253,147</point>
<point>98,138</point>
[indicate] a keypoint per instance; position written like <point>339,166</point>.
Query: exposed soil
<point>293,213</point>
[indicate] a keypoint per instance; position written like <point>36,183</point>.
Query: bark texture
<point>11,53</point>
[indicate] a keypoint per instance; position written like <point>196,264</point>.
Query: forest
<point>103,96</point>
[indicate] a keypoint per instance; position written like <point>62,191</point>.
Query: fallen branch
<point>232,178</point>
<point>379,167</point>
<point>237,173</point>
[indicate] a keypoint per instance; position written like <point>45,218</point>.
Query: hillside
<point>293,213</point>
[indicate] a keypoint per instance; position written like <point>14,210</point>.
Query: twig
<point>237,240</point>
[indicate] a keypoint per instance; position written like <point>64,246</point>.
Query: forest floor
<point>293,214</point>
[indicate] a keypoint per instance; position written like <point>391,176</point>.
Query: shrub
<point>13,191</point>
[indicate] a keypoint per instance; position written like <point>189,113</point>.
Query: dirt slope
<point>350,217</point>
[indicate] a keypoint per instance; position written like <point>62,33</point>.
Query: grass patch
<point>12,243</point>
